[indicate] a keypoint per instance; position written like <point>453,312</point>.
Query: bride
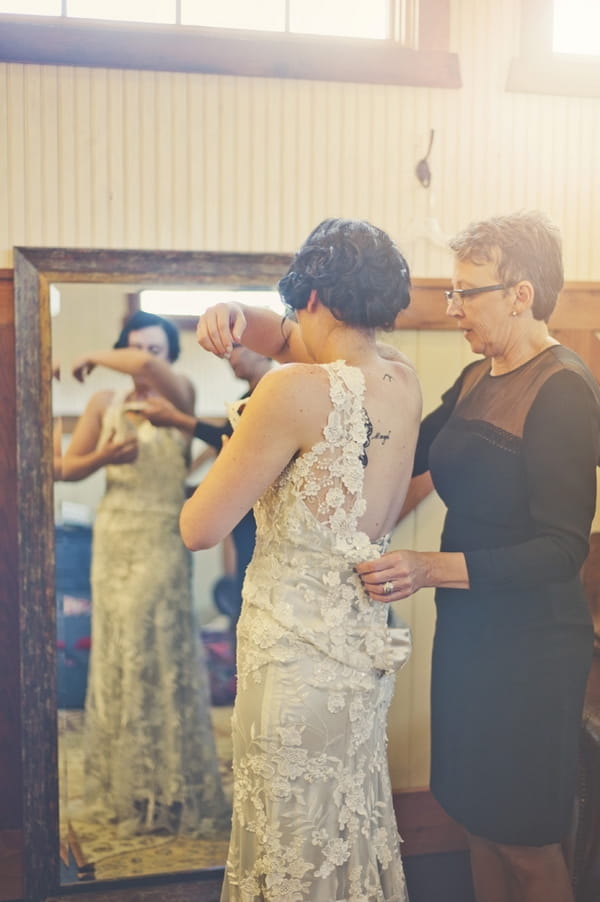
<point>324,451</point>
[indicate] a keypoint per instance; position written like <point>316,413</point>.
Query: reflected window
<point>180,302</point>
<point>54,296</point>
<point>576,27</point>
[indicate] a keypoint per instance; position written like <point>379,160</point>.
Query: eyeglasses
<point>459,294</point>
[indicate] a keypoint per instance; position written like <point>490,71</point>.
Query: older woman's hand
<point>220,328</point>
<point>161,412</point>
<point>395,575</point>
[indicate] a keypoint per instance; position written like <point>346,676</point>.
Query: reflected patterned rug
<point>111,856</point>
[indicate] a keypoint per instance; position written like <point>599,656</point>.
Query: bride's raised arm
<point>270,431</point>
<point>264,331</point>
<point>257,328</point>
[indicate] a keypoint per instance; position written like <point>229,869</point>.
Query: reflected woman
<point>150,759</point>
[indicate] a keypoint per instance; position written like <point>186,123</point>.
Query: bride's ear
<point>313,301</point>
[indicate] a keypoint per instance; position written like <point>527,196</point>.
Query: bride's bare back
<point>392,412</point>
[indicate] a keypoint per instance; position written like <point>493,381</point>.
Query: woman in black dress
<point>512,451</point>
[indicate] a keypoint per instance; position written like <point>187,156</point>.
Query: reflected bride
<point>150,757</point>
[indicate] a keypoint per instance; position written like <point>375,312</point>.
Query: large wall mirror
<point>94,291</point>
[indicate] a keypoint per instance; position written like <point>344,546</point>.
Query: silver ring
<point>388,588</point>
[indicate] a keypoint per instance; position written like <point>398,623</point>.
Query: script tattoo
<point>371,436</point>
<point>381,436</point>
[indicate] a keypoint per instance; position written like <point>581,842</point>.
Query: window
<point>31,7</point>
<point>377,19</point>
<point>324,17</point>
<point>378,41</point>
<point>120,10</point>
<point>576,27</point>
<point>560,48</point>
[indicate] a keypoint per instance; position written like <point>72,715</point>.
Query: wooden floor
<point>434,850</point>
<point>442,877</point>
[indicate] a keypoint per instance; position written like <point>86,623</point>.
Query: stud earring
<point>514,313</point>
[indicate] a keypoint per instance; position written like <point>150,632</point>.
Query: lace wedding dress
<point>150,756</point>
<point>313,817</point>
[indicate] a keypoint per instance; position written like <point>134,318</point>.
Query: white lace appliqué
<point>313,818</point>
<point>150,756</point>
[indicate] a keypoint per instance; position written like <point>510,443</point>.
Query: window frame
<point>538,69</point>
<point>176,48</point>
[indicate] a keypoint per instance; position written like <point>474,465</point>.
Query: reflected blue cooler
<point>73,612</point>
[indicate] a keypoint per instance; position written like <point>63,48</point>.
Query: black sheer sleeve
<point>432,424</point>
<point>211,434</point>
<point>560,444</point>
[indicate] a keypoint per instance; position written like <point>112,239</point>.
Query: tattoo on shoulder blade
<point>382,436</point>
<point>387,377</point>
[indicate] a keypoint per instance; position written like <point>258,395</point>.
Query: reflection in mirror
<point>36,270</point>
<point>143,697</point>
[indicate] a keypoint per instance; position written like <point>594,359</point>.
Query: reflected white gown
<point>313,817</point>
<point>150,756</point>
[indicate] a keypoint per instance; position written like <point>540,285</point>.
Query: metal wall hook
<point>422,168</point>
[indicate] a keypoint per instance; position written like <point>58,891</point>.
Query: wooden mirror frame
<point>35,269</point>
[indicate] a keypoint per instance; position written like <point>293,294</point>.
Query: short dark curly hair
<point>357,271</point>
<point>141,320</point>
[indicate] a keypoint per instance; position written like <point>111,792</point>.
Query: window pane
<point>576,26</point>
<point>267,15</point>
<point>31,7</point>
<point>339,17</point>
<point>123,10</point>
<point>192,303</point>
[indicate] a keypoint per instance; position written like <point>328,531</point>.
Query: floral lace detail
<point>313,816</point>
<point>150,756</point>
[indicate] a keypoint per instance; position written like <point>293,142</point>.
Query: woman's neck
<point>356,347</point>
<point>525,348</point>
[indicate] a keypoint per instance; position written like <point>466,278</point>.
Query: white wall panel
<point>438,357</point>
<point>91,157</point>
<point>14,174</point>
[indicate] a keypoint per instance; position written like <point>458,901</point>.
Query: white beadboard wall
<point>92,157</point>
<point>127,159</point>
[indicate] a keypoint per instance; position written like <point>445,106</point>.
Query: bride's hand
<point>394,575</point>
<point>82,367</point>
<point>220,327</point>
